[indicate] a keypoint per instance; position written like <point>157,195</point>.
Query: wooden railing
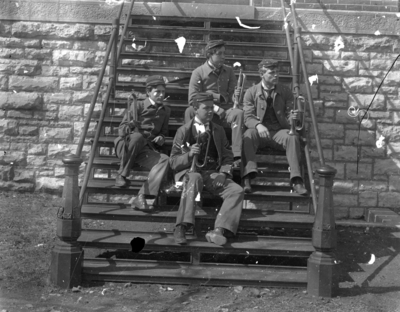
<point>321,264</point>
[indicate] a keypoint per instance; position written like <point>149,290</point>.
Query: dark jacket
<point>255,105</point>
<point>179,159</point>
<point>203,79</point>
<point>153,122</point>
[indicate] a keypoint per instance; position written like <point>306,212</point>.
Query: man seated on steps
<point>219,80</point>
<point>215,176</point>
<point>137,139</point>
<point>267,116</point>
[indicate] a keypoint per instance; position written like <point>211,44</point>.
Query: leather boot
<point>247,184</point>
<point>298,187</point>
<point>121,181</point>
<point>140,203</point>
<point>217,237</point>
<point>179,234</point>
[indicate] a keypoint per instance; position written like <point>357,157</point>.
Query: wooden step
<point>174,122</point>
<point>185,273</point>
<point>266,193</point>
<point>240,245</point>
<point>171,88</point>
<point>249,217</point>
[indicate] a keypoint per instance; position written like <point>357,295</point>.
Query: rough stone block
<point>375,186</point>
<point>27,130</point>
<point>330,88</point>
<point>86,71</point>
<point>5,28</point>
<point>11,53</point>
<point>36,161</point>
<point>37,149</point>
<point>389,199</point>
<point>24,176</point>
<point>345,200</point>
<point>341,212</point>
<point>103,31</point>
<point>73,58</point>
<point>18,101</point>
<point>391,133</point>
<point>368,199</point>
<point>368,153</point>
<point>358,84</point>
<point>78,128</point>
<point>57,98</point>
<point>364,171</point>
<point>366,137</point>
<point>13,158</point>
<point>96,112</point>
<point>90,45</point>
<point>51,134</point>
<point>38,54</point>
<point>387,166</point>
<point>60,150</point>
<point>71,83</point>
<point>83,97</point>
<point>36,84</point>
<point>347,186</point>
<point>7,173</point>
<point>49,185</point>
<point>19,114</point>
<point>57,44</point>
<point>45,115</point>
<point>52,30</point>
<point>314,69</point>
<point>19,43</point>
<point>364,100</point>
<point>339,169</point>
<point>331,80</point>
<point>345,68</point>
<point>325,55</point>
<point>394,183</point>
<point>331,131</point>
<point>58,71</point>
<point>9,127</point>
<point>3,83</point>
<point>70,112</point>
<point>355,56</point>
<point>18,187</point>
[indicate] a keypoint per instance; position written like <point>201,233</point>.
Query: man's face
<point>218,58</point>
<point>205,111</point>
<point>157,94</point>
<point>270,76</point>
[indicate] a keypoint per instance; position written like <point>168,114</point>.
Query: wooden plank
<point>249,217</point>
<point>185,273</point>
<point>240,245</point>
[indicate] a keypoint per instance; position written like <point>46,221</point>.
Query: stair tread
<point>173,121</point>
<point>269,193</point>
<point>179,273</point>
<point>243,244</point>
<point>267,218</point>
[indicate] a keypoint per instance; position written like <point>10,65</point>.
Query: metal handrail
<point>121,42</point>
<point>308,89</point>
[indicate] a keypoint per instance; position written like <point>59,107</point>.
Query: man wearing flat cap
<point>219,80</point>
<point>215,176</point>
<point>143,127</point>
<point>267,114</point>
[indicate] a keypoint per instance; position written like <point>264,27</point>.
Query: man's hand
<point>237,92</point>
<point>194,150</point>
<point>159,140</point>
<point>134,124</point>
<point>263,131</point>
<point>221,113</point>
<point>219,180</point>
<point>294,115</point>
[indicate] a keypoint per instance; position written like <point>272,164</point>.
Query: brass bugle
<point>299,104</point>
<point>195,163</point>
<point>240,84</point>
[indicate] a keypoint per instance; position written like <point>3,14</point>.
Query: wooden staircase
<point>273,241</point>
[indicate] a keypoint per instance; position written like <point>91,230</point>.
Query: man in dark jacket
<point>143,127</point>
<point>215,176</point>
<point>267,116</point>
<point>219,80</point>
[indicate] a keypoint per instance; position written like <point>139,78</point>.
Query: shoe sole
<point>180,241</point>
<point>216,239</point>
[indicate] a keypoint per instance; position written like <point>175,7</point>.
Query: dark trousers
<point>232,194</point>
<point>280,140</point>
<point>140,153</point>
<point>233,120</point>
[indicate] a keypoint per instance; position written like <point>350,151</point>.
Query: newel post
<point>321,264</point>
<point>67,255</point>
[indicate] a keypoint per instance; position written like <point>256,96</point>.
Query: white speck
<point>237,64</point>
<point>398,14</point>
<point>256,262</point>
<point>104,291</point>
<point>379,143</point>
<point>313,79</point>
<point>181,41</point>
<point>339,44</point>
<point>377,33</point>
<point>134,46</point>
<point>313,26</point>
<point>169,288</point>
<point>247,252</point>
<point>384,16</point>
<point>372,259</point>
<point>15,91</point>
<point>114,2</point>
<point>358,17</point>
<point>198,197</point>
<point>245,26</point>
<point>154,18</point>
<point>25,71</point>
<point>39,245</point>
<point>17,4</point>
<point>234,125</point>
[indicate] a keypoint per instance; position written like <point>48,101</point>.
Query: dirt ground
<point>27,236</point>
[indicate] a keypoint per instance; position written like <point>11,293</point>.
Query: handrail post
<point>114,56</point>
<point>67,255</point>
<point>321,265</point>
<point>121,42</point>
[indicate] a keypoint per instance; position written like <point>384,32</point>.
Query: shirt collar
<point>208,68</point>
<point>151,103</point>
<point>265,88</point>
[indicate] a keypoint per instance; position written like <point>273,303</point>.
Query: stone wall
<point>356,5</point>
<point>48,71</point>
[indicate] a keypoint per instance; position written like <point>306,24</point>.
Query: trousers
<point>234,120</point>
<point>140,153</point>
<point>280,140</point>
<point>232,194</point>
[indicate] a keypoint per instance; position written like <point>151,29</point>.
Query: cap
<point>155,81</point>
<point>268,63</point>
<point>202,97</point>
<point>214,43</point>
